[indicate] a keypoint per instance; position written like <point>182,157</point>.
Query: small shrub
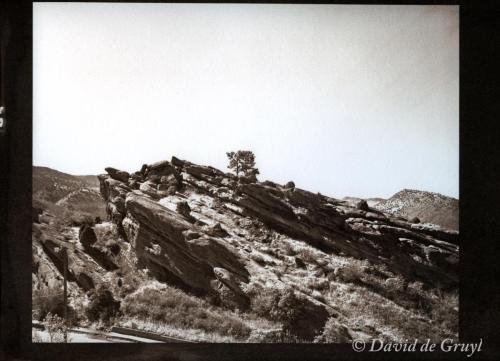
<point>55,327</point>
<point>445,311</point>
<point>395,284</point>
<point>102,306</point>
<point>264,300</point>
<point>288,249</point>
<point>261,336</point>
<point>334,332</point>
<point>352,272</point>
<point>416,288</point>
<point>51,301</point>
<point>319,284</point>
<point>307,254</point>
<point>299,317</point>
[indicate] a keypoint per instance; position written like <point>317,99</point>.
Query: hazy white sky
<point>342,99</point>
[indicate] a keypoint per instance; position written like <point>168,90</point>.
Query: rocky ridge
<point>136,204</point>
<point>196,227</point>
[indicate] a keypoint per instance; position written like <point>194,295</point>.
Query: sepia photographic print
<point>245,173</point>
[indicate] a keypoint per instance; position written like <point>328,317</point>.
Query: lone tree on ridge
<point>243,161</point>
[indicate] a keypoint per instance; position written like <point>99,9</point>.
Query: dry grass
<point>369,311</point>
<point>170,306</point>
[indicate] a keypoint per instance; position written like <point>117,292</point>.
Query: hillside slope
<point>194,252</point>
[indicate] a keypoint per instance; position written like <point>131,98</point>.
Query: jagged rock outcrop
<point>203,255</point>
<point>308,266</point>
<point>119,175</point>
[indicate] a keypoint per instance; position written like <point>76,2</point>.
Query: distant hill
<point>91,180</point>
<point>370,201</point>
<point>61,191</point>
<point>429,207</point>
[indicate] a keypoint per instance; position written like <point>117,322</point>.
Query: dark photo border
<point>479,208</point>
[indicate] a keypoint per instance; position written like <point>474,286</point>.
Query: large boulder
<point>87,236</point>
<point>217,231</point>
<point>119,175</point>
<point>183,261</point>
<point>183,209</point>
<point>163,168</point>
<point>362,205</point>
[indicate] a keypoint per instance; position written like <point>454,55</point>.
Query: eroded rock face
<point>196,252</point>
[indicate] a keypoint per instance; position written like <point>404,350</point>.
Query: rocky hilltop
<point>145,205</point>
<point>314,267</point>
<point>428,207</point>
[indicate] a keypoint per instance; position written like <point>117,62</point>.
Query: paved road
<point>117,335</point>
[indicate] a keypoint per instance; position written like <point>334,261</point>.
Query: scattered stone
<point>189,234</point>
<point>171,190</point>
<point>183,209</point>
<point>299,262</point>
<point>217,231</point>
<point>270,184</point>
<point>163,187</point>
<point>177,162</point>
<point>362,205</point>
